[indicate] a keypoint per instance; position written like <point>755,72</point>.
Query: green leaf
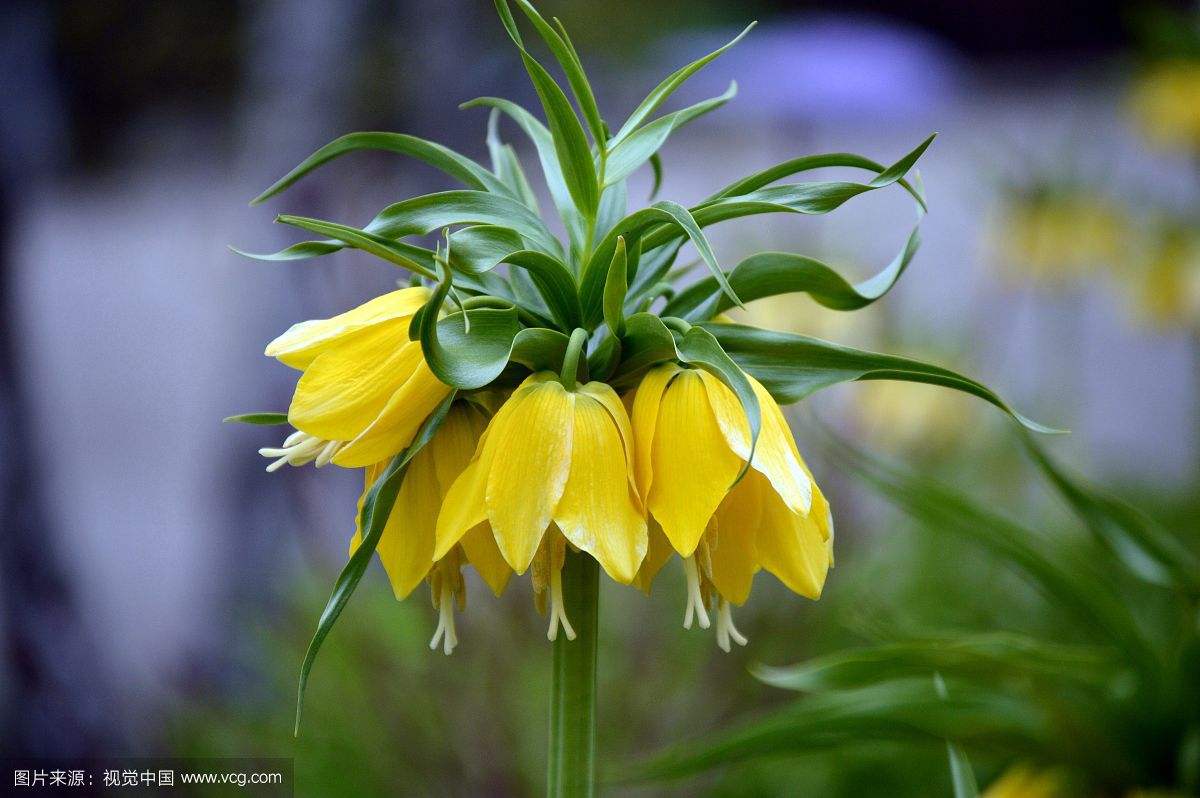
<point>481,248</point>
<point>679,218</point>
<point>962,777</point>
<point>642,145</point>
<point>614,206</point>
<point>425,214</point>
<point>793,366</point>
<point>698,347</point>
<point>377,245</point>
<point>771,273</point>
<point>539,349</point>
<point>647,341</point>
<point>543,143</point>
<point>809,163</point>
<point>259,419</point>
<point>813,198</point>
<point>1065,574</point>
<point>506,165</point>
<point>1148,551</point>
<point>909,710</point>
<point>604,359</point>
<point>978,656</point>
<point>615,288</point>
<point>554,282</point>
<point>301,251</point>
<point>373,517</point>
<point>570,144</point>
<point>668,86</point>
<point>457,166</point>
<point>568,59</point>
<point>458,356</point>
<point>657,167</point>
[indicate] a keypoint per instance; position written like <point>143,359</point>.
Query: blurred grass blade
<point>447,160</point>
<point>1147,550</point>
<point>908,710</point>
<point>1064,574</point>
<point>980,656</point>
<point>376,508</point>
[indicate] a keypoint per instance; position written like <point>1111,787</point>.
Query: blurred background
<point>158,588</point>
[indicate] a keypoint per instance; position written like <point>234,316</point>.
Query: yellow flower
<point>365,388</point>
<point>1024,781</point>
<point>692,441</point>
<point>1058,235</point>
<point>406,546</point>
<point>1166,101</point>
<point>553,466</point>
<point>1164,279</point>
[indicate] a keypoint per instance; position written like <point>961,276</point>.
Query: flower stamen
<point>558,612</point>
<point>695,599</point>
<point>725,628</point>
<point>300,448</point>
<point>445,633</point>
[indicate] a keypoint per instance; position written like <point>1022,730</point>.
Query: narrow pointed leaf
<point>568,59</point>
<point>615,288</point>
<point>360,239</point>
<point>376,508</point>
<point>425,214</point>
<point>793,366</point>
<point>258,419</point>
<point>543,144</point>
<point>642,145</point>
<point>457,166</point>
<point>771,273</point>
<point>663,90</point>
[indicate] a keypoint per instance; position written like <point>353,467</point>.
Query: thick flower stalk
<point>556,407</point>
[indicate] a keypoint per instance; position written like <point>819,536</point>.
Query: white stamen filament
<point>328,452</point>
<point>725,627</point>
<point>558,612</point>
<point>445,628</point>
<point>300,448</point>
<point>695,600</point>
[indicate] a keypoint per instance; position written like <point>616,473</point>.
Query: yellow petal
<point>406,547</point>
<point>658,551</point>
<point>599,512</point>
<point>773,455</point>
<point>693,464</point>
<point>529,442</point>
<point>791,546</point>
<point>646,401</point>
<point>301,344</point>
<point>735,558</point>
<point>463,508</point>
<point>398,421</point>
<point>619,414</point>
<point>479,544</point>
<point>347,385</point>
<point>370,474</point>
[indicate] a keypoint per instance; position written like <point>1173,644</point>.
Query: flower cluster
<point>527,397</point>
<point>511,479</point>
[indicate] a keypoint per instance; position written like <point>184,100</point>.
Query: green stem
<point>570,366</point>
<point>571,770</point>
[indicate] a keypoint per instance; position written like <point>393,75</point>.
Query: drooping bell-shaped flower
<point>406,546</point>
<point>554,466</point>
<point>692,442</point>
<point>365,388</point>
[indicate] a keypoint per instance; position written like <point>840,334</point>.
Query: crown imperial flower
<point>565,478</point>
